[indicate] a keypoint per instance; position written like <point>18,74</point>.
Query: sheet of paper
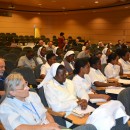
<point>124,81</point>
<point>114,90</point>
<point>97,100</point>
<point>79,111</point>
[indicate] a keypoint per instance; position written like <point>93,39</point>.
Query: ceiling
<point>61,5</point>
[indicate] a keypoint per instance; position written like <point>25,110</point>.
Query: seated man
<point>51,58</point>
<point>2,76</point>
<point>23,110</point>
<point>28,60</point>
<point>60,92</point>
<point>41,53</point>
<point>50,46</point>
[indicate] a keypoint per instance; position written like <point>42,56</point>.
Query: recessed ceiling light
<point>96,2</point>
<point>11,7</point>
<point>39,4</point>
<point>53,1</point>
<point>38,13</point>
<point>82,6</point>
<point>63,8</point>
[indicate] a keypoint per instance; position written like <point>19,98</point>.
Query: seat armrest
<point>61,114</point>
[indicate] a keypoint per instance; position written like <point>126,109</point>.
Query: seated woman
<point>96,76</point>
<point>23,110</point>
<point>60,92</point>
<point>68,62</point>
<point>82,68</point>
<point>124,60</point>
<point>113,68</point>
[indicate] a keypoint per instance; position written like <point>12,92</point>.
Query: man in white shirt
<point>28,60</point>
<point>51,58</point>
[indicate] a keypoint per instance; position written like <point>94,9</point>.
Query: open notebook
<point>114,90</point>
<point>124,81</point>
<point>80,113</point>
<point>97,100</point>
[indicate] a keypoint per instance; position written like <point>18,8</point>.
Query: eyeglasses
<point>25,85</point>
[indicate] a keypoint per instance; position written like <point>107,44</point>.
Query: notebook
<point>97,100</point>
<point>114,90</point>
<point>80,113</point>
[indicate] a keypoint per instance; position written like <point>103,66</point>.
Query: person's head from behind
<point>60,74</point>
<point>30,54</point>
<point>98,54</point>
<point>16,86</point>
<point>124,54</point>
<point>87,50</point>
<point>59,52</point>
<point>95,62</point>
<point>69,56</point>
<point>61,34</point>
<point>113,58</point>
<point>43,51</point>
<point>108,52</point>
<point>82,66</point>
<point>2,67</point>
<point>51,58</point>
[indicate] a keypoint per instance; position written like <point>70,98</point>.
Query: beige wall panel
<point>105,26</point>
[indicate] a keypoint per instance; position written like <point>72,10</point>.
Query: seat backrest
<point>9,66</point>
<point>119,125</point>
<point>124,97</point>
<point>27,74</point>
<point>41,94</point>
<point>37,71</point>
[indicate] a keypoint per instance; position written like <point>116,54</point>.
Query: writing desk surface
<point>78,120</point>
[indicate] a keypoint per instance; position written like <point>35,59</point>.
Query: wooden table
<point>78,120</point>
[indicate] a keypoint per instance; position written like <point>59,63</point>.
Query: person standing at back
<point>61,40</point>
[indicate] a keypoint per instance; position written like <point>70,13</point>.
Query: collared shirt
<point>112,71</point>
<point>44,68</point>
<point>63,97</point>
<point>24,61</point>
<point>96,75</point>
<point>14,112</point>
<point>104,59</point>
<point>85,82</point>
<point>125,66</point>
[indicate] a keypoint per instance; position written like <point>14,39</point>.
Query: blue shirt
<point>14,112</point>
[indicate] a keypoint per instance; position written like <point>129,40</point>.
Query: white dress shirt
<point>14,112</point>
<point>103,118</point>
<point>63,97</point>
<point>44,68</point>
<point>125,66</point>
<point>112,71</point>
<point>96,75</point>
<point>104,59</point>
<point>85,82</point>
